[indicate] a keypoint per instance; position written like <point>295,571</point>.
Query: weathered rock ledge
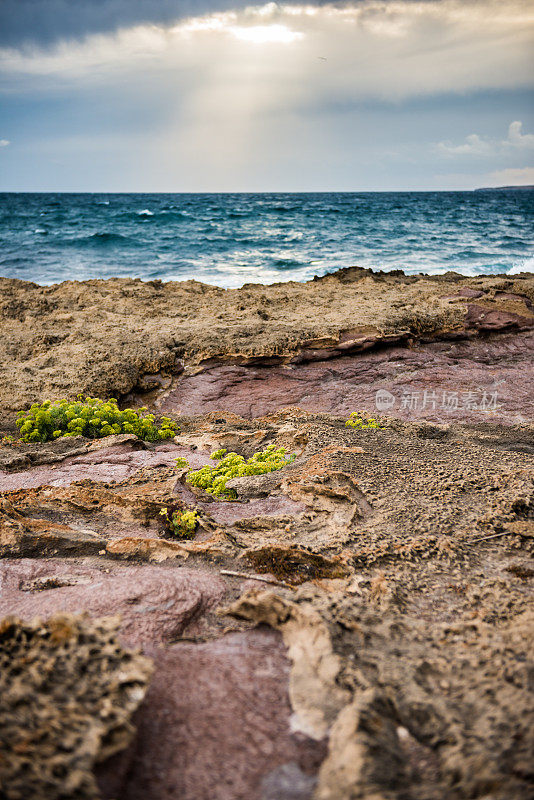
<point>124,337</point>
<point>358,624</point>
<point>392,657</point>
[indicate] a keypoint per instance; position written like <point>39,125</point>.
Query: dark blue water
<point>231,239</point>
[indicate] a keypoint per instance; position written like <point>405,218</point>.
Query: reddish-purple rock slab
<point>465,291</point>
<point>106,465</point>
<point>501,364</point>
<point>227,512</point>
<point>156,604</point>
<point>216,720</point>
<point>215,725</point>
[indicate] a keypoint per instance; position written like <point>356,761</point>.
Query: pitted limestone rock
<point>68,691</point>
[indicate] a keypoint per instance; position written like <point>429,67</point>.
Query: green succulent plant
<point>356,420</point>
<point>213,479</point>
<point>181,524</point>
<point>90,417</point>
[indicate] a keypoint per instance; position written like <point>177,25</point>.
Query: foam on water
<point>526,266</point>
<point>232,239</point>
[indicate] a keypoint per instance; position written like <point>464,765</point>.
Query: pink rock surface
<point>156,604</point>
<point>108,464</point>
<point>226,513</point>
<point>455,374</point>
<point>484,319</point>
<point>216,720</point>
<point>215,725</point>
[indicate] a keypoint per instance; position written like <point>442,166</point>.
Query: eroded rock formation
<point>120,337</point>
<point>356,625</point>
<point>67,695</point>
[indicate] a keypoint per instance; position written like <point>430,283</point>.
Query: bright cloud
<point>523,176</point>
<point>376,48</point>
<point>518,139</point>
<point>220,95</point>
<point>265,34</point>
<point>4,142</point>
<point>476,145</point>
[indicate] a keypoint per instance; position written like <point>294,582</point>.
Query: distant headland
<point>504,188</point>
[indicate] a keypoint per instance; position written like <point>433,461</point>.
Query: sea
<point>231,239</point>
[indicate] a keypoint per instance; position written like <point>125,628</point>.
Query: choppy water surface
<point>231,239</point>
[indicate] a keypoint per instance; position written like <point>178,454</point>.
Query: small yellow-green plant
<point>181,524</point>
<point>231,465</point>
<point>89,417</point>
<point>356,420</point>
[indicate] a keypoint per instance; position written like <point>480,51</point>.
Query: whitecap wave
<point>146,212</point>
<point>525,266</point>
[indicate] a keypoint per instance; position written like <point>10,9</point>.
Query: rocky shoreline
<point>138,341</point>
<point>358,624</point>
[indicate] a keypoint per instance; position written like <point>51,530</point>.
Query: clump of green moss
<point>89,417</point>
<point>231,465</point>
<point>181,524</point>
<point>356,420</point>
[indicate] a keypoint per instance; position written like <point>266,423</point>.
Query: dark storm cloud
<point>377,94</point>
<point>46,21</point>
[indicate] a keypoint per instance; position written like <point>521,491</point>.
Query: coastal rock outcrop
<point>68,692</point>
<point>125,337</point>
<point>467,380</point>
<point>357,624</point>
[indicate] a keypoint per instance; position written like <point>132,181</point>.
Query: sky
<point>220,95</point>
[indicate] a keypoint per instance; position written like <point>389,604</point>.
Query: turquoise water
<point>231,239</point>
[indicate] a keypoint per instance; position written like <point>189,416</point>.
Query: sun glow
<point>265,34</point>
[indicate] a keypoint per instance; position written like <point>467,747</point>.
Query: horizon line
<point>511,187</point>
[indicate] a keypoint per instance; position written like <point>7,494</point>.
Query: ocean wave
<point>226,238</point>
<point>289,263</point>
<point>525,266</point>
<point>13,261</point>
<point>282,209</point>
<point>103,239</point>
<point>175,214</point>
<point>173,208</point>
